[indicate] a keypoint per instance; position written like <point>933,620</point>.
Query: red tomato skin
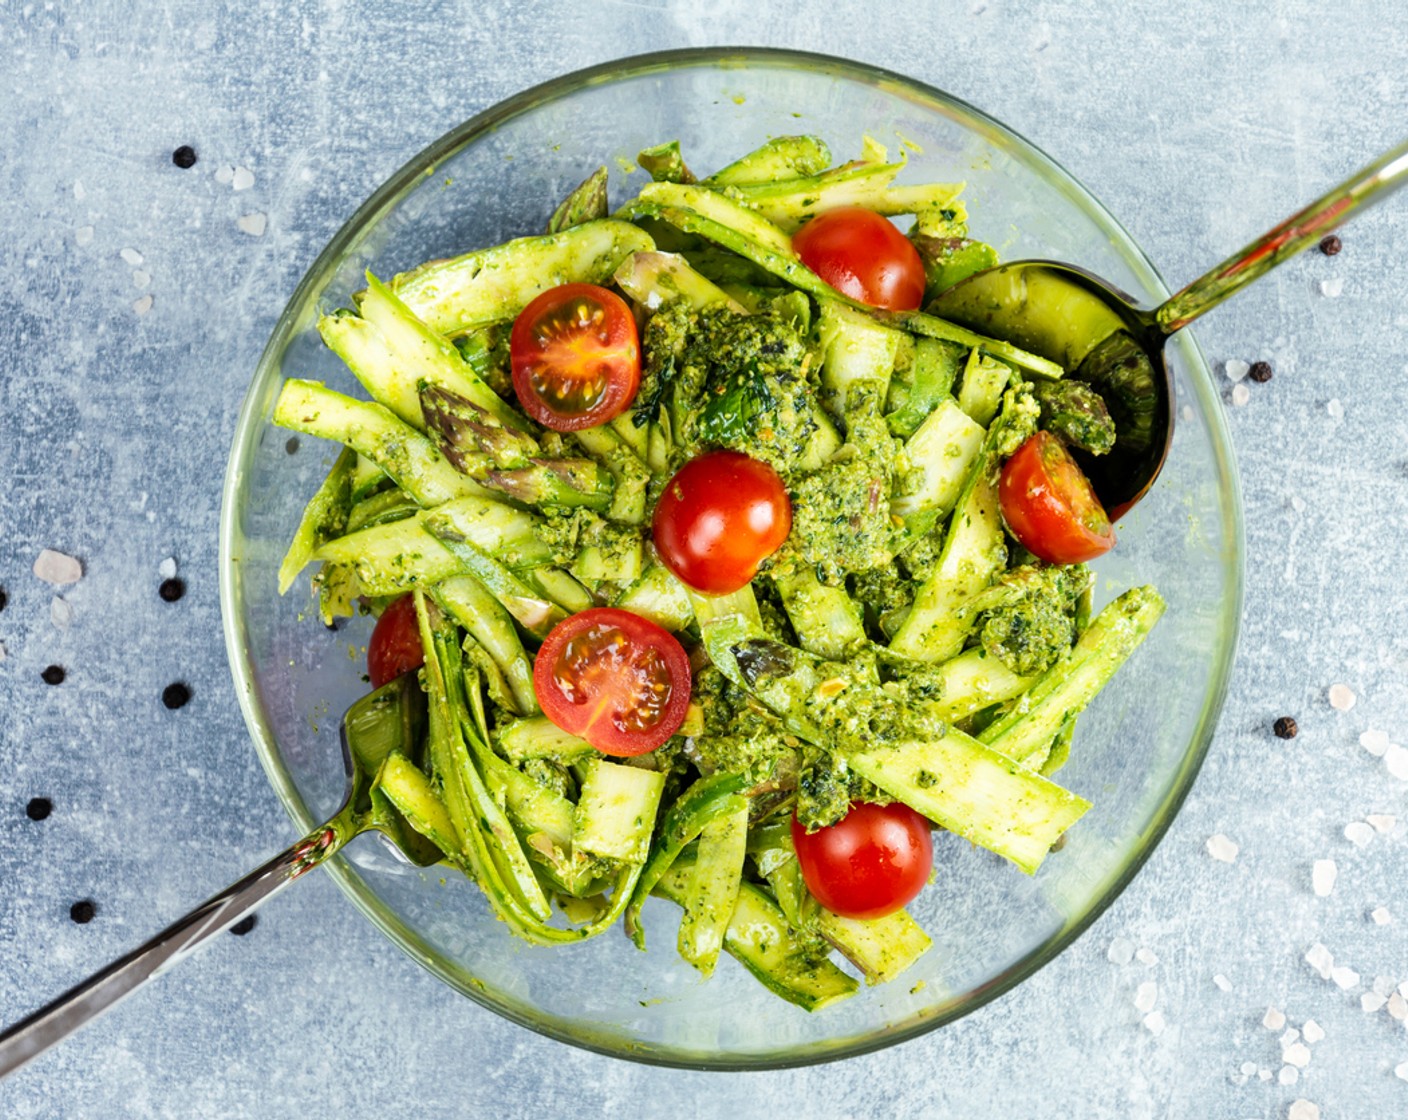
<point>589,718</point>
<point>718,518</point>
<point>395,646</point>
<point>862,255</point>
<point>598,362</point>
<point>870,863</point>
<point>1050,506</point>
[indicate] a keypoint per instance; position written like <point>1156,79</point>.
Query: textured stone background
<point>1197,123</point>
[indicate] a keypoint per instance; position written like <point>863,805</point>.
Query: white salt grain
<point>1146,996</point>
<point>1374,741</point>
<point>143,305</point>
<point>1312,1031</point>
<point>167,568</point>
<point>1264,1074</point>
<point>1320,959</point>
<point>83,235</point>
<point>1289,1075</point>
<point>140,279</point>
<point>2,651</point>
<point>242,179</point>
<point>1121,951</point>
<point>1371,1002</point>
<point>1342,697</point>
<point>1335,409</point>
<point>131,256</point>
<point>224,175</point>
<point>1396,759</point>
<point>1303,1109</point>
<point>1222,982</point>
<point>1235,369</point>
<point>1154,1023</point>
<point>1291,1035</point>
<point>1380,915</point>
<point>1344,977</point>
<point>1358,833</point>
<point>1332,287</point>
<point>1187,412</point>
<point>1381,822</point>
<point>253,224</point>
<point>1398,1007</point>
<point>79,194</point>
<point>1401,1070</point>
<point>1249,1068</point>
<point>60,612</point>
<point>1274,1019</point>
<point>1147,956</point>
<point>1322,876</point>
<point>57,568</point>
<point>1222,849</point>
<point>1240,395</point>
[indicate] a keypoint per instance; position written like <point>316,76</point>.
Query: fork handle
<point>85,1002</point>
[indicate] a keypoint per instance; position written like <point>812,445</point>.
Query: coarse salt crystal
<point>1264,1074</point>
<point>143,305</point>
<point>1147,956</point>
<point>1332,287</point>
<point>1335,409</point>
<point>1249,1068</point>
<point>1274,1019</point>
<point>1222,849</point>
<point>1320,959</point>
<point>132,257</point>
<point>1240,395</point>
<point>1312,1031</point>
<point>167,568</point>
<point>79,194</point>
<point>1380,915</point>
<point>1291,1035</point>
<point>57,568</point>
<point>1187,412</point>
<point>1371,1002</point>
<point>1381,822</point>
<point>1302,1109</point>
<point>1358,833</point>
<point>1222,982</point>
<point>1322,876</point>
<point>1396,759</point>
<point>1146,996</point>
<point>1344,977</point>
<point>1374,741</point>
<point>1383,985</point>
<point>1398,1007</point>
<point>1235,369</point>
<point>1121,951</point>
<point>2,651</point>
<point>242,179</point>
<point>1289,1075</point>
<point>1154,1023</point>
<point>140,279</point>
<point>224,174</point>
<point>1401,1070</point>
<point>1342,697</point>
<point>253,224</point>
<point>83,235</point>
<point>60,612</point>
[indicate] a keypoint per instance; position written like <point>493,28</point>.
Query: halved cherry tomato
<point>721,516</point>
<point>395,644</point>
<point>862,255</point>
<point>575,355</point>
<point>1050,506</point>
<point>869,863</point>
<point>613,678</point>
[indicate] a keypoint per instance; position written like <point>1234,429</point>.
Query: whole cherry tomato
<point>862,255</point>
<point>868,864</point>
<point>1050,506</point>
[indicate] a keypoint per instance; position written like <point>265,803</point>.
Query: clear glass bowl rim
<point>385,196</point>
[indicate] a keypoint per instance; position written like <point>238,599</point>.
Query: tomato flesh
<point>718,518</point>
<point>575,357</point>
<point>870,863</point>
<point>615,679</point>
<point>1050,506</point>
<point>395,643</point>
<point>862,255</point>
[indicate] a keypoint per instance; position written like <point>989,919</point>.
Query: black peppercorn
<point>1260,372</point>
<point>82,912</point>
<point>244,925</point>
<point>291,445</point>
<point>171,589</point>
<point>3,598</point>
<point>1285,728</point>
<point>54,674</point>
<point>38,808</point>
<point>184,157</point>
<point>1330,245</point>
<point>175,695</point>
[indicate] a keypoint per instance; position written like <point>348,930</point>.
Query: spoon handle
<point>1362,189</point>
<point>85,1002</point>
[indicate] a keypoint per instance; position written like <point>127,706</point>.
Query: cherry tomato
<point>395,646</point>
<point>869,863</point>
<point>613,678</point>
<point>575,355</point>
<point>1050,506</point>
<point>721,516</point>
<point>862,255</point>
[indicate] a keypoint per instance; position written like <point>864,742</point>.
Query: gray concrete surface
<point>1198,124</point>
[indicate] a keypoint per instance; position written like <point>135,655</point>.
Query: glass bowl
<point>1138,748</point>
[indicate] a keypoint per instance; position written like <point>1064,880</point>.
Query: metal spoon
<point>375,725</point>
<point>1096,332</point>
